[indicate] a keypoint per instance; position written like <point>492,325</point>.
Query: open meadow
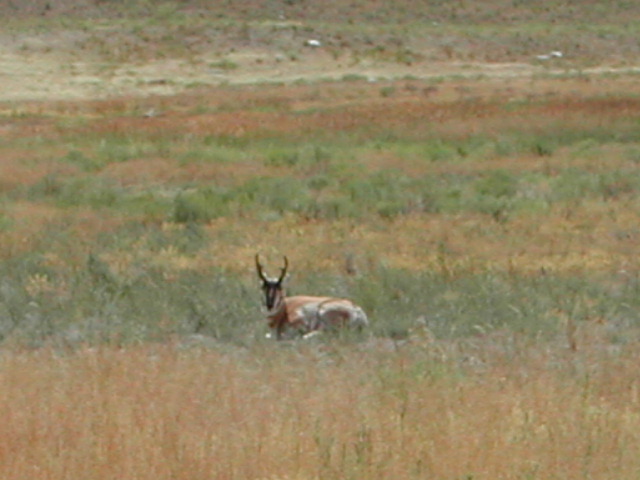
<point>478,197</point>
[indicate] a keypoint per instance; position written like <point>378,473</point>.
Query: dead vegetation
<point>319,412</point>
<point>478,203</point>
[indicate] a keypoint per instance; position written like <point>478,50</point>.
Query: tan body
<point>301,315</point>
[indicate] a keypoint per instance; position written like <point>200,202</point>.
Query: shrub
<point>199,206</point>
<point>80,159</point>
<point>278,195</point>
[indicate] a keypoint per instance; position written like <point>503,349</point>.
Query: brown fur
<point>304,313</point>
<point>290,313</point>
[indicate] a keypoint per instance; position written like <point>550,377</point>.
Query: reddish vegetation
<point>237,112</point>
<point>319,113</point>
<point>311,413</point>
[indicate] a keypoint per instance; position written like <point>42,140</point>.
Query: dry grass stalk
<point>309,413</point>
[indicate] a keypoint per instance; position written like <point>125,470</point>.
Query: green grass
<point>95,304</point>
<point>130,258</point>
<point>149,296</point>
<point>334,179</point>
<point>339,192</point>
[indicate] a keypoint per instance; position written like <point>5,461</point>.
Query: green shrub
<point>498,183</point>
<point>274,195</point>
<point>94,192</point>
<point>85,163</point>
<point>199,206</point>
<point>298,156</point>
<point>439,151</point>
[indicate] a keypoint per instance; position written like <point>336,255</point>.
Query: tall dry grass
<point>320,412</point>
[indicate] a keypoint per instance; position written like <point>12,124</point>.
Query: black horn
<point>283,271</point>
<point>261,274</point>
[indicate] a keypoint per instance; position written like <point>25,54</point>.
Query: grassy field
<point>483,210</point>
<point>310,412</point>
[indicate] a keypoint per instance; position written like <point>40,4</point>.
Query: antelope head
<point>272,286</point>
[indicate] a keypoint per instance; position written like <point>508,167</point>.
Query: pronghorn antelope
<point>305,315</point>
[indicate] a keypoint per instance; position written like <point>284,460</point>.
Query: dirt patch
<point>47,76</point>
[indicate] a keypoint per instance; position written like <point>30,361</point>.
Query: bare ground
<point>38,74</point>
